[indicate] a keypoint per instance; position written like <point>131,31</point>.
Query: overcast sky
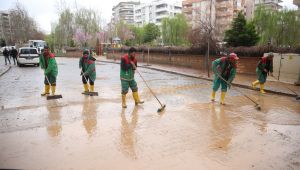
<point>45,12</point>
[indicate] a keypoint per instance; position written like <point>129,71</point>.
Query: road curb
<point>208,79</point>
<point>5,71</point>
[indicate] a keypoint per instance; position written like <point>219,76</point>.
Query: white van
<point>38,44</point>
<point>28,55</point>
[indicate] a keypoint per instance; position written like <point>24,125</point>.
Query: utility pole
<point>148,58</point>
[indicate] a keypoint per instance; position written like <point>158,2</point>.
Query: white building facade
<point>155,11</point>
<point>124,11</point>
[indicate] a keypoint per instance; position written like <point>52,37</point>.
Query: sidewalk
<point>3,68</point>
<point>241,80</point>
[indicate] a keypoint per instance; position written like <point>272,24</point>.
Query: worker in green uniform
<point>263,69</point>
<point>48,64</point>
<point>128,66</point>
<point>226,68</point>
<point>88,71</point>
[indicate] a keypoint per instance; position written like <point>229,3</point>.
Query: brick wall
<point>246,65</point>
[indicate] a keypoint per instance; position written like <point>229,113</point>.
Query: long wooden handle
<point>47,80</point>
<point>83,75</point>
<point>149,88</point>
<point>237,89</point>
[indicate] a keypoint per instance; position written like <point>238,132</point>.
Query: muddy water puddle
<point>82,132</point>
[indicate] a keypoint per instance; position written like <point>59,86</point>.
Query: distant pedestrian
<point>14,54</point>
<point>263,69</point>
<point>224,67</point>
<point>6,55</point>
<point>9,52</point>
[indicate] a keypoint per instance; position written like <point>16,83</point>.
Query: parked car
<point>28,55</point>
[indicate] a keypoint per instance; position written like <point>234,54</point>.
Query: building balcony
<point>161,9</point>
<point>177,8</point>
<point>187,10</point>
<point>223,5</point>
<point>226,14</point>
<point>267,1</point>
<point>125,10</point>
<point>161,16</point>
<point>187,2</point>
<point>162,5</point>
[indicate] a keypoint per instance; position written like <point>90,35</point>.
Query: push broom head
<point>161,109</point>
<point>52,97</point>
<point>90,93</point>
<point>257,107</point>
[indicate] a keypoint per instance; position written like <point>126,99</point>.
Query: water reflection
<point>221,132</point>
<point>262,123</point>
<point>89,116</point>
<point>54,127</point>
<point>128,135</point>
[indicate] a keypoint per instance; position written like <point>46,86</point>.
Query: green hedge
<point>255,51</point>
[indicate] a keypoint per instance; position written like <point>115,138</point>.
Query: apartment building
<point>124,11</point>
<point>297,3</point>
<point>189,10</point>
<point>273,4</point>
<point>249,9</point>
<point>155,11</point>
<point>5,26</point>
<point>217,14</point>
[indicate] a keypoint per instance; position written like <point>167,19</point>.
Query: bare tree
<point>203,30</point>
<point>23,27</point>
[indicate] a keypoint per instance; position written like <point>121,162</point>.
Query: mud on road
<point>83,132</point>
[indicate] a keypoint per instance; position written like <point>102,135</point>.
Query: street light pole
<point>208,57</point>
<point>208,39</point>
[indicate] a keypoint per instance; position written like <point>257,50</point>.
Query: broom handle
<point>48,80</point>
<point>149,88</point>
<point>84,76</point>
<point>236,89</point>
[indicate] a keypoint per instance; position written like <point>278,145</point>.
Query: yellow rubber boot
<point>136,98</point>
<point>92,88</point>
<point>222,101</point>
<point>124,101</point>
<point>53,89</point>
<point>213,95</point>
<point>47,90</point>
<point>254,84</point>
<point>262,91</point>
<point>86,87</point>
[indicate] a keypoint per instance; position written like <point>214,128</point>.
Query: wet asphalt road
<point>83,132</point>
